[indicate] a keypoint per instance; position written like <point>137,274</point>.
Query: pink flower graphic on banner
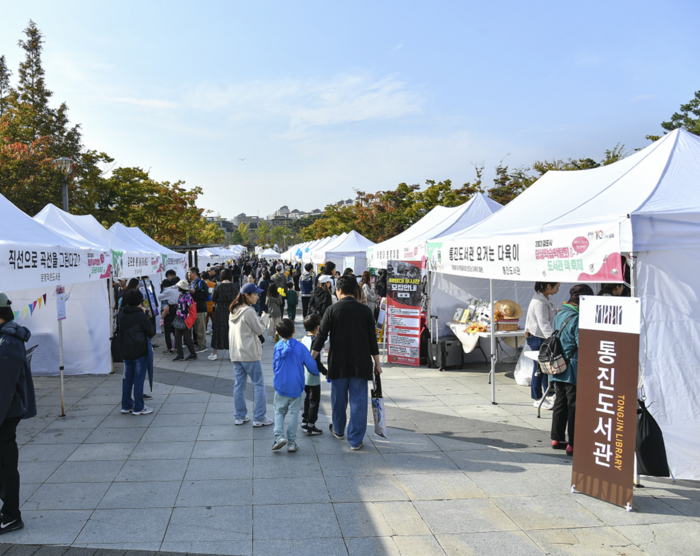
<point>611,271</point>
<point>102,257</point>
<point>107,272</point>
<point>580,244</point>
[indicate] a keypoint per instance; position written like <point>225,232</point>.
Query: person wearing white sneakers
<point>245,350</point>
<point>225,292</point>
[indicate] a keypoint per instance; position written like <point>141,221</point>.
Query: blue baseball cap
<point>250,288</point>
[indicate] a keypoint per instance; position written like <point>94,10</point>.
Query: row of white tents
<point>345,250</point>
<point>211,256</point>
<point>646,207</point>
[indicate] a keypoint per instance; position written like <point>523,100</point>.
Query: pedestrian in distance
<point>200,293</point>
<point>564,411</point>
<point>292,301</point>
<point>17,402</point>
<point>538,327</point>
<point>184,303</point>
<point>312,388</point>
<point>288,364</point>
<point>264,285</point>
<point>322,298</point>
<point>353,337</point>
<point>306,287</point>
<point>370,294</point>
<point>135,332</point>
<point>245,351</point>
<point>223,295</point>
<point>274,308</point>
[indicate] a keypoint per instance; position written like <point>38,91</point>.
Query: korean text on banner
<point>403,312</point>
<point>580,255</point>
<point>606,398</point>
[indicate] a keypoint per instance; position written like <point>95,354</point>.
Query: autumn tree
<point>262,233</point>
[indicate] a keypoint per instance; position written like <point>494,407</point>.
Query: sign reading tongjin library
<point>403,312</point>
<point>606,398</point>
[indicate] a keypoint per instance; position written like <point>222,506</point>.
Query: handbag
<point>551,358</point>
<point>378,407</point>
<point>191,316</point>
<point>179,323</point>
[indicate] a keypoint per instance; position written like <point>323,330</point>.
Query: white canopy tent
<point>318,255</point>
<point>141,259</point>
<point>269,254</point>
<point>350,251</point>
<point>411,244</point>
<point>649,205</point>
<point>33,261</point>
<point>172,260</point>
<point>208,257</point>
<point>308,256</point>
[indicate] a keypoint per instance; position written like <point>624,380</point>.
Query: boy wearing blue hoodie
<point>288,364</point>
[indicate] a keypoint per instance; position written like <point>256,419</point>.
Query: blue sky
<point>321,98</point>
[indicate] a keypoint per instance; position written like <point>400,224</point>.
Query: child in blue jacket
<point>288,364</point>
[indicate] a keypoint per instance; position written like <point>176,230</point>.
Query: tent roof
<point>446,220</point>
<point>351,243</point>
<point>125,234</point>
<point>141,236</point>
<point>653,193</point>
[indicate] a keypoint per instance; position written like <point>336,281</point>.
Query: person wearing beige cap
<point>17,402</point>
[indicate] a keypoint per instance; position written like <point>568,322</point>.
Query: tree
<point>688,118</point>
<point>5,86</point>
<point>210,233</point>
<point>245,234</point>
<point>263,233</point>
<point>279,235</point>
<point>297,225</point>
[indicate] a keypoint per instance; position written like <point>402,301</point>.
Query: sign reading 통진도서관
<point>403,312</point>
<point>606,398</point>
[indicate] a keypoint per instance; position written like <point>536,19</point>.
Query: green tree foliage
<point>5,86</point>
<point>245,234</point>
<point>384,214</point>
<point>688,118</point>
<point>296,226</point>
<point>263,233</point>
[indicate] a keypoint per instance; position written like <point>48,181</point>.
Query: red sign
<point>404,312</point>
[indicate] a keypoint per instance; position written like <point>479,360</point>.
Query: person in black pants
<point>17,402</point>
<point>312,387</point>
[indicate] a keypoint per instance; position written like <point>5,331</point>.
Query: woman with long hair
<point>245,350</point>
<point>224,294</point>
<point>370,295</point>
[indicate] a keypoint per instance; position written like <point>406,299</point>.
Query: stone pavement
<point>456,476</point>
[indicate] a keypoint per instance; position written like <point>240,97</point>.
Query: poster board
<point>606,398</point>
<point>404,299</point>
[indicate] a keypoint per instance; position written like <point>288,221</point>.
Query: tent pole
<point>110,296</point>
<point>60,362</point>
<point>493,345</point>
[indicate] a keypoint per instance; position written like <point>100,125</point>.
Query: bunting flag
<point>31,307</point>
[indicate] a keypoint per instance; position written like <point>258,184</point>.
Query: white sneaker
<point>536,403</point>
<point>548,403</point>
<point>241,421</point>
<point>213,357</point>
<point>144,411</point>
<point>264,423</point>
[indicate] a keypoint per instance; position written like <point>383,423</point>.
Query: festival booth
<point>34,261</point>
<point>269,254</point>
<point>318,255</point>
<point>346,252</point>
<point>172,260</point>
<point>308,256</point>
<point>573,226</point>
<point>411,244</point>
<point>207,257</point>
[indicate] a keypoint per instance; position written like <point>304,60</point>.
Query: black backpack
<point>552,359</point>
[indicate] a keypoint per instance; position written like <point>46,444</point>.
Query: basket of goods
<point>507,315</point>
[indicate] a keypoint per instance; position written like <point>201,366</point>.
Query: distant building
<point>252,221</point>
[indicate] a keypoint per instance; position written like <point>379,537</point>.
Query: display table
<point>471,341</point>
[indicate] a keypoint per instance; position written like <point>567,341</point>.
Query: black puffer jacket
<point>134,330</point>
<point>16,385</point>
<point>320,301</point>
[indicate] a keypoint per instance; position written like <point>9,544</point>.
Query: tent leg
<point>494,355</point>
<point>110,295</point>
<point>60,362</point>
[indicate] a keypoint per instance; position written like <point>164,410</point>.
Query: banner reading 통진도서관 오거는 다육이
<point>567,255</point>
<point>404,298</point>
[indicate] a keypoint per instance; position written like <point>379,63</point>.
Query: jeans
<point>243,370</point>
<point>564,411</point>
<point>9,475</point>
<point>357,390</point>
<point>540,382</point>
<point>311,403</point>
<point>284,405</point>
<point>134,377</point>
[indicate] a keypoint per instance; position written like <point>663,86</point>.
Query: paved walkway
<point>457,476</point>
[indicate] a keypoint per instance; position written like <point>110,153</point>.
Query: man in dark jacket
<point>135,328</point>
<point>16,402</point>
<point>353,346</point>
<point>306,284</point>
<point>321,299</point>
<point>200,294</point>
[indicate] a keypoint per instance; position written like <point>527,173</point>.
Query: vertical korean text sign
<point>403,308</point>
<point>606,398</point>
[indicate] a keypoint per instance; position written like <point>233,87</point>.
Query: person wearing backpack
<point>306,285</point>
<point>564,411</point>
<point>200,293</point>
<point>17,402</point>
<point>538,327</point>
